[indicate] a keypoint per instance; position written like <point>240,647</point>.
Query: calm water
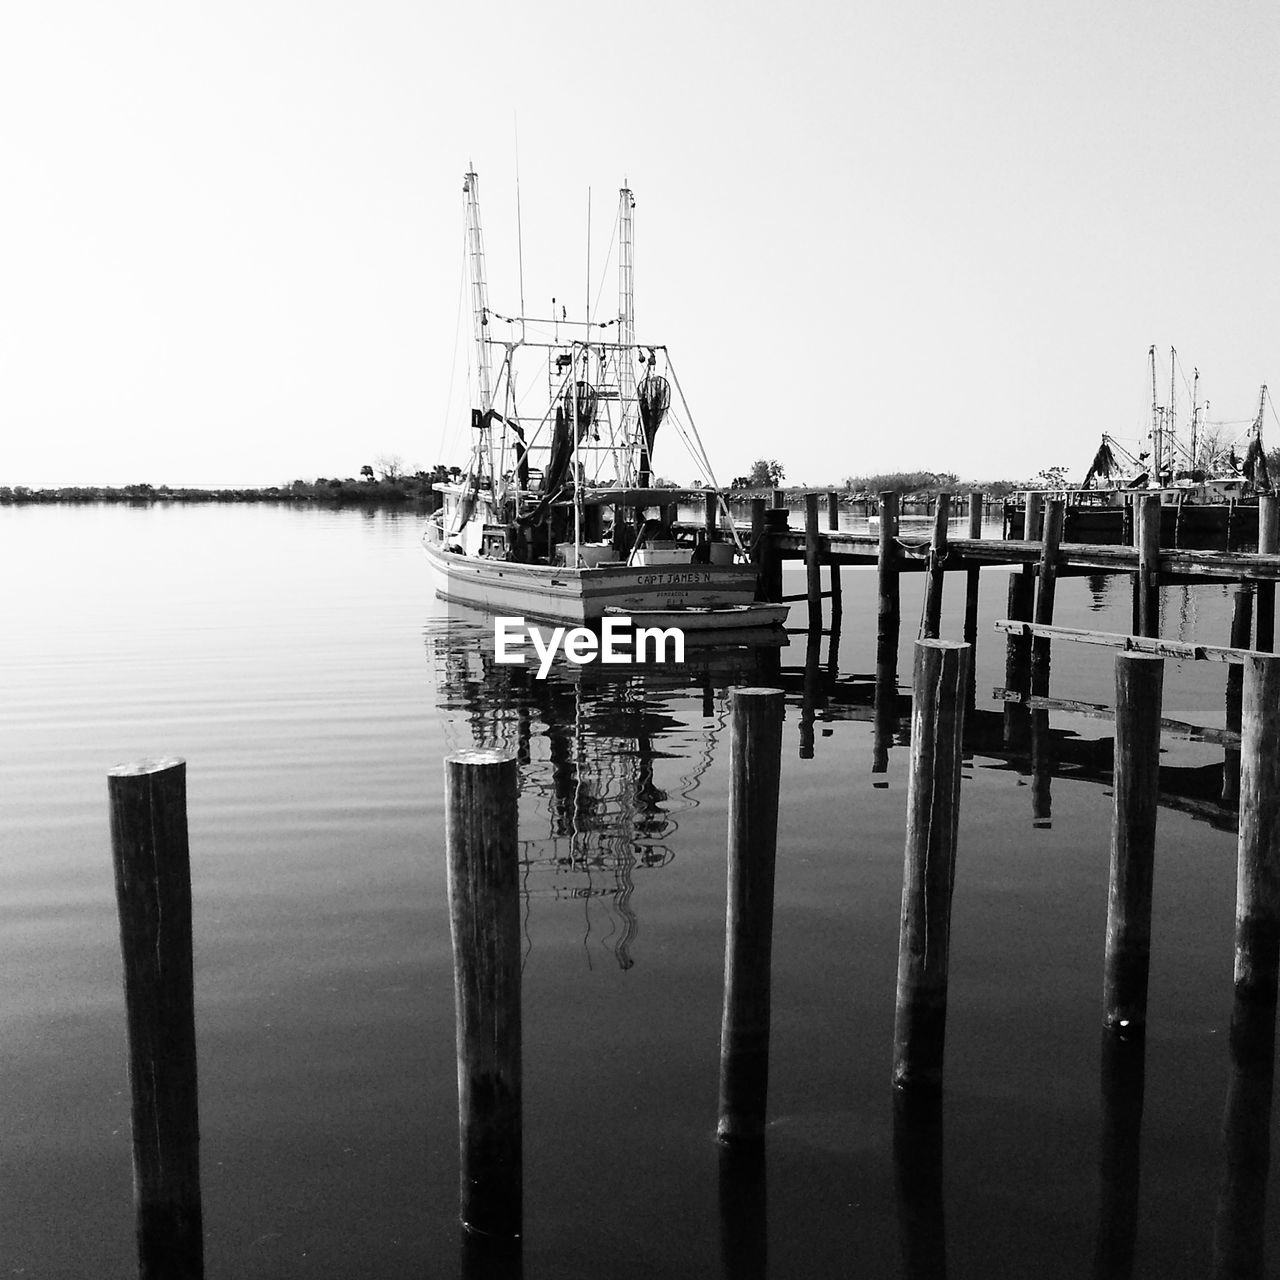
<point>299,663</point>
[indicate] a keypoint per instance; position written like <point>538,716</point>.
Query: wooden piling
<point>888,612</point>
<point>1135,794</point>
<point>933,811</point>
<point>1017,660</point>
<point>482,852</point>
<point>770,556</point>
<point>1241,630</point>
<point>779,498</point>
<point>1046,590</point>
<point>1146,536</point>
<point>937,562</point>
<point>1258,864</point>
<point>1268,545</point>
<point>888,621</point>
<point>150,853</point>
<point>758,509</point>
<point>970,633</point>
<point>712,514</point>
<point>1031,509</point>
<point>833,522</point>
<point>813,561</point>
<point>755,771</point>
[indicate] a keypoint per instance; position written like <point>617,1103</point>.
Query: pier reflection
<point>1123,1086</point>
<point>610,755</point>
<point>917,1170</point>
<point>744,1237</point>
<point>1239,1228</point>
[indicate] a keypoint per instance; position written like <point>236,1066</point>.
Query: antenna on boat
<point>1155,419</point>
<point>586,314</point>
<point>626,311</point>
<point>519,225</point>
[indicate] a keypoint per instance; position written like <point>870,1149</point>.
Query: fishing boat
<point>557,516</point>
<point>1211,462</point>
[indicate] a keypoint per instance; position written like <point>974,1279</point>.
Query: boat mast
<point>1156,441</point>
<point>480,320</point>
<point>1195,418</point>
<point>626,322</point>
<point>1169,425</point>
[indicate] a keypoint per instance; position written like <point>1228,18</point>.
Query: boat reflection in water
<point>610,756</point>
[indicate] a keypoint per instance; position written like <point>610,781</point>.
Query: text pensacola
<point>617,642</point>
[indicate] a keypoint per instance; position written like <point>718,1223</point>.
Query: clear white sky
<point>875,238</point>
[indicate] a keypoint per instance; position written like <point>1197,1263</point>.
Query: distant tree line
<point>390,487</point>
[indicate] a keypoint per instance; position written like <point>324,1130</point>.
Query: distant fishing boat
<point>556,516</point>
<point>1198,466</point>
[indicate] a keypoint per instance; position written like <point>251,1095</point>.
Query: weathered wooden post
<point>937,566</point>
<point>1268,545</point>
<point>933,812</point>
<point>1241,630</point>
<point>972,573</point>
<point>779,498</point>
<point>712,502</point>
<point>1045,592</point>
<point>887,627</point>
<point>1258,867</point>
<point>1031,507</point>
<point>1135,794</point>
<point>758,509</point>
<point>1017,655</point>
<point>150,853</point>
<point>812,561</point>
<point>833,522</point>
<point>888,613</point>
<point>481,848</point>
<point>755,772</point>
<point>771,554</point>
<point>1146,534</point>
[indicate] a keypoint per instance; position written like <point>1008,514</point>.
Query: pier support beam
<point>937,565</point>
<point>1045,593</point>
<point>833,522</point>
<point>1136,791</point>
<point>971,601</point>
<point>755,751</point>
<point>1268,545</point>
<point>813,561</point>
<point>933,812</point>
<point>1146,536</point>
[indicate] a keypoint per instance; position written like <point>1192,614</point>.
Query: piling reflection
<point>611,757</point>
<point>917,1170</point>
<point>1240,1221</point>
<point>1123,1086</point>
<point>744,1237</point>
<point>812,691</point>
<point>490,1257</point>
<point>1041,770</point>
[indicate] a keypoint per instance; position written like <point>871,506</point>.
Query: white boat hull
<point>703,596</point>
